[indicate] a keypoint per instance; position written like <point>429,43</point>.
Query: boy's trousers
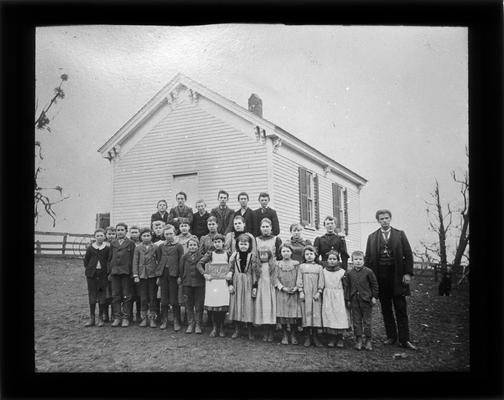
<point>96,291</point>
<point>194,297</point>
<point>361,316</point>
<point>147,290</point>
<point>121,294</point>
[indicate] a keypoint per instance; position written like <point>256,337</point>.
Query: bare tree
<point>42,198</point>
<point>440,223</point>
<point>463,238</point>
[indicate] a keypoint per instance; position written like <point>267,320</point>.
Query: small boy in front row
<point>362,295</point>
<point>146,270</point>
<point>193,284</point>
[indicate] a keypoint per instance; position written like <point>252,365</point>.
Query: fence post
<point>64,243</point>
<point>38,247</point>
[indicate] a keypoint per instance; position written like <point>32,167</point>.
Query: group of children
<point>257,280</point>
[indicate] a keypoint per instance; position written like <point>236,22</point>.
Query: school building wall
<point>286,163</point>
<point>188,137</point>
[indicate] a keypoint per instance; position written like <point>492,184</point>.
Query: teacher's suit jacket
<point>403,257</point>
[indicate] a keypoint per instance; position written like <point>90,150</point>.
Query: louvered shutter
<point>303,197</point>
<point>336,192</point>
<point>345,209</point>
<point>316,210</point>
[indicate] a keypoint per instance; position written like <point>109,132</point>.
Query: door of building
<point>187,183</point>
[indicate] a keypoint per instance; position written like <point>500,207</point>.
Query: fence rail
<point>70,245</point>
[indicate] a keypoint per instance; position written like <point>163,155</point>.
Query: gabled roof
<point>269,129</point>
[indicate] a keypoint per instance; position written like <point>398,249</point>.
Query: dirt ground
<point>439,328</point>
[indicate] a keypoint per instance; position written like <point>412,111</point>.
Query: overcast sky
<point>390,103</point>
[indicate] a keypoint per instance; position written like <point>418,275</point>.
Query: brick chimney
<point>255,104</point>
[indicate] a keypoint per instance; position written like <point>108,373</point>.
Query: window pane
<point>310,211</point>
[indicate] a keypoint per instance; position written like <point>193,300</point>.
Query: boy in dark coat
<point>246,212</point>
<point>362,292</point>
<point>120,274</point>
<point>170,255</point>
<point>193,284</point>
<point>223,213</point>
<point>388,254</point>
<point>265,212</point>
<point>180,213</point>
<point>199,226</point>
<point>161,214</point>
<point>95,264</point>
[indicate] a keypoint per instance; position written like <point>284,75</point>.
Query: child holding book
<point>214,266</point>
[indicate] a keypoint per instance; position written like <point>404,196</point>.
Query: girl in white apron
<point>215,268</point>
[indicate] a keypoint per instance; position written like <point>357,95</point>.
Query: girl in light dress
<point>242,265</point>
<point>266,239</point>
<point>310,281</point>
<point>334,313</point>
<point>287,295</point>
<point>216,289</point>
<point>265,302</point>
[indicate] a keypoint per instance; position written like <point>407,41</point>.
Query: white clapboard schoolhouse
<point>189,138</point>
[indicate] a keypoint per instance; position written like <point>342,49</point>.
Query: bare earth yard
<point>439,327</point>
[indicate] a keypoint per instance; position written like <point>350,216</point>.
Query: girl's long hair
<point>243,238</point>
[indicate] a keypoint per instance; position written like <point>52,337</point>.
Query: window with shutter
<point>317,202</point>
<point>337,209</point>
<point>345,209</point>
<point>303,196</point>
<point>308,198</point>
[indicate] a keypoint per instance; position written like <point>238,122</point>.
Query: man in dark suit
<point>388,254</point>
<point>331,241</point>
<point>246,212</point>
<point>161,214</point>
<point>223,213</point>
<point>265,212</point>
<point>180,213</point>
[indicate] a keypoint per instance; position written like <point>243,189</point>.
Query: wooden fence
<point>67,245</point>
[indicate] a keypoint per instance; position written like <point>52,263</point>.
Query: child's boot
<point>316,340</point>
<point>250,334</point>
<point>358,343</point>
<point>91,321</point>
<point>213,333</point>
<point>285,338</point>
<point>307,341</point>
<point>106,313</point>
<point>221,329</point>
<point>265,336</point>
<point>152,319</point>
<point>339,342</point>
<point>100,315</point>
<point>164,317</point>
<point>270,333</point>
<point>332,342</point>
<point>143,319</point>
<point>293,335</point>
<point>197,328</point>
<point>368,345</point>
<point>236,332</point>
<point>176,318</point>
<point>190,321</point>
